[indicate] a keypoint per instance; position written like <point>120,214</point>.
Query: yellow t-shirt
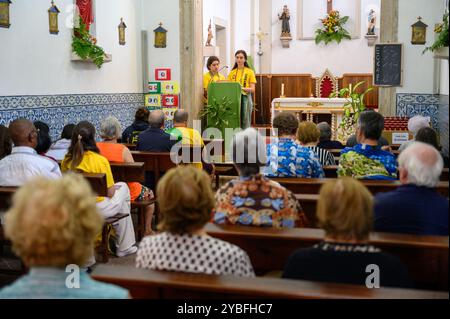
<point>191,137</point>
<point>208,79</point>
<point>244,77</point>
<point>92,163</point>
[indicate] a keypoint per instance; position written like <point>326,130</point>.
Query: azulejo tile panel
<point>409,105</point>
<point>59,110</point>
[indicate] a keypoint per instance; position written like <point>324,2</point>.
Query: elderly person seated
<point>254,199</point>
<point>325,138</point>
<point>24,162</point>
<point>52,225</point>
<point>308,135</point>
<point>415,124</point>
<point>286,158</point>
<point>367,160</point>
<point>345,213</point>
<point>59,149</point>
<point>110,130</point>
<point>84,156</point>
<point>415,207</point>
<point>185,201</point>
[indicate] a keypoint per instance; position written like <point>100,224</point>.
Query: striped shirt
<point>325,157</point>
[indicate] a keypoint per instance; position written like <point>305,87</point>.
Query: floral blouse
<point>289,159</point>
<point>258,201</point>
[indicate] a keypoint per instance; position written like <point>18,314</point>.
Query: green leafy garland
<point>332,29</point>
<point>442,39</point>
<point>85,45</point>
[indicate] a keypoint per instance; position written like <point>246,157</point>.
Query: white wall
<point>419,69</point>
<point>32,61</point>
<point>304,56</point>
<point>168,13</point>
<point>243,26</point>
<point>443,81</point>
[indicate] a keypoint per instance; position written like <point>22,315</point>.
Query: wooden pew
<point>312,186</point>
<point>149,284</point>
<point>269,249</point>
<point>309,206</point>
<point>133,173</point>
<point>157,163</point>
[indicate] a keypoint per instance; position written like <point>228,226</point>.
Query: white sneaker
<point>130,251</point>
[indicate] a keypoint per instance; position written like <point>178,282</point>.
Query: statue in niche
<point>285,17</point>
<point>372,20</point>
<point>210,35</point>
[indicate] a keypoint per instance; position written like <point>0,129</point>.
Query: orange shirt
<point>114,153</point>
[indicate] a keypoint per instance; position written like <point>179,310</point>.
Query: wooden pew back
<point>148,284</point>
<point>269,249</point>
<point>128,172</point>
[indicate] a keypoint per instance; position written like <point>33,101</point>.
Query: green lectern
<point>232,91</point>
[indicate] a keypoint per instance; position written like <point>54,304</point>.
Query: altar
<point>311,107</point>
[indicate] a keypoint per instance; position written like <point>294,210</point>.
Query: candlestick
<point>282,90</point>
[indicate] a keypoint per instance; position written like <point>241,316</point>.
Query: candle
<point>282,89</point>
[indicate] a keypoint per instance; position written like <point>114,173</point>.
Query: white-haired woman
<point>110,131</point>
<point>253,199</point>
<point>415,124</point>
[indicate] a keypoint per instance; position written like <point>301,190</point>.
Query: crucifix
<point>329,6</point>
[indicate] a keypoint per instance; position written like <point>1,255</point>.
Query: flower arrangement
<point>85,45</point>
<point>442,39</point>
<point>332,29</point>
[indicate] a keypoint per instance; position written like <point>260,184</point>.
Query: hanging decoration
<point>122,27</point>
<point>4,13</point>
<point>53,19</point>
<point>160,37</point>
<point>332,29</point>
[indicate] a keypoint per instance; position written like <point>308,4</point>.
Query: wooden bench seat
<point>148,284</point>
<point>269,249</point>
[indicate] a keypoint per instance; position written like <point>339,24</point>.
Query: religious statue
<point>372,19</point>
<point>210,35</point>
<point>285,17</point>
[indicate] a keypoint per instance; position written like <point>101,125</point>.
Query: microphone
<point>224,67</point>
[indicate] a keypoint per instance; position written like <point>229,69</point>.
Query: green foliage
<point>83,44</point>
<point>333,29</point>
<point>443,35</point>
<point>217,113</point>
<point>353,108</point>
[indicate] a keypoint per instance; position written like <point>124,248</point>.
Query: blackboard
<point>388,64</point>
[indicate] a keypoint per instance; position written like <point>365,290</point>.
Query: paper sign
<point>152,100</point>
<point>170,100</point>
<point>163,75</point>
<point>170,88</point>
<point>400,138</point>
<point>169,112</point>
<point>154,87</point>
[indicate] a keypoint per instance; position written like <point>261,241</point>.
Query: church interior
<point>329,149</point>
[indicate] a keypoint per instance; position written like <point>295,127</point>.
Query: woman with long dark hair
<point>244,75</point>
<point>84,156</point>
<point>213,75</point>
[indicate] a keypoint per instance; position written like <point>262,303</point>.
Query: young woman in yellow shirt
<point>242,74</point>
<point>212,76</point>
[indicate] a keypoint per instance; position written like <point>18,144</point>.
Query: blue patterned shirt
<point>50,283</point>
<point>289,159</point>
<point>367,162</point>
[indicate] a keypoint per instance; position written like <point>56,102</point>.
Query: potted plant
<point>217,113</point>
<point>332,29</point>
<point>352,109</point>
<point>442,40</point>
<point>84,45</point>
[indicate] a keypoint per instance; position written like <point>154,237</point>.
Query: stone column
<point>389,34</point>
<point>191,57</point>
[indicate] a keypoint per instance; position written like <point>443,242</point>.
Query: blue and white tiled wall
<point>59,110</point>
<point>434,106</point>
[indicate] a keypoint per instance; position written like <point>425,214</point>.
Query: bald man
<point>415,207</point>
<point>24,163</point>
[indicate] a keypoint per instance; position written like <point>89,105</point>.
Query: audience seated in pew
<point>254,199</point>
<point>345,213</point>
<point>51,232</point>
<point>286,158</point>
<point>308,135</point>
<point>429,136</point>
<point>415,207</point>
<point>44,139</point>
<point>58,150</point>
<point>185,201</point>
<point>366,160</point>
<point>114,152</point>
<point>383,143</point>
<point>154,139</point>
<point>415,124</point>
<point>140,124</point>
<point>5,142</point>
<point>24,162</point>
<point>83,155</point>
<point>325,138</point>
